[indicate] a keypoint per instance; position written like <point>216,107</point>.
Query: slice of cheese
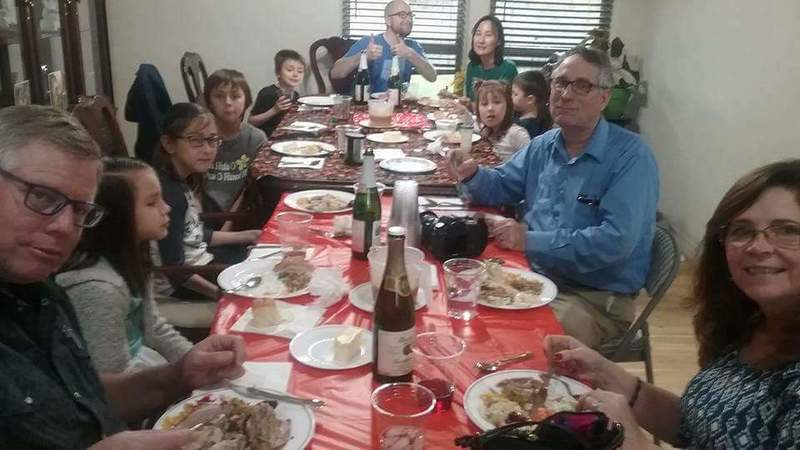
<point>347,345</point>
<point>266,313</point>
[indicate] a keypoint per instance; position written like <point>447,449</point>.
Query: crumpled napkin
<point>437,147</point>
<point>328,285</point>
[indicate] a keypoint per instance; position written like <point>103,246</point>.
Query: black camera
<point>453,237</point>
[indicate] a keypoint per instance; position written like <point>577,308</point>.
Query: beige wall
<point>723,94</point>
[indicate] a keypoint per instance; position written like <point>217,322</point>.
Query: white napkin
<point>437,147</point>
<point>387,153</point>
<point>273,250</point>
<point>309,127</point>
<point>301,162</point>
<point>328,285</point>
<point>299,318</point>
<point>263,375</point>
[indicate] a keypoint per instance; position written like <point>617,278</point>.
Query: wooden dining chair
<point>335,47</point>
<point>634,345</point>
<point>99,117</point>
<point>194,74</point>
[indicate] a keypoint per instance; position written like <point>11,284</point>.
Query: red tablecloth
<point>345,422</point>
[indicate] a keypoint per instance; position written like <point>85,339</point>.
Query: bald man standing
<point>381,48</point>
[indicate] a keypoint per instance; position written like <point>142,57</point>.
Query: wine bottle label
<point>400,285</point>
<point>365,235</point>
<point>394,352</point>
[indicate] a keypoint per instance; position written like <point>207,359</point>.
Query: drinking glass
<point>436,357</point>
<point>341,107</point>
<point>462,276</point>
<point>405,210</point>
<point>293,230</point>
<point>380,112</point>
<point>399,411</point>
<point>341,135</point>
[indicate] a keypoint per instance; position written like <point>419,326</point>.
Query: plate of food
<point>450,137</point>
<point>320,201</point>
<point>388,137</point>
<point>333,347</point>
<point>275,277</point>
<point>511,288</point>
<point>316,100</point>
<point>408,165</point>
<point>367,123</point>
<point>517,395</point>
<point>225,419</point>
<point>302,148</point>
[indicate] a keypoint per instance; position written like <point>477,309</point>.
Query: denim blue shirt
<point>379,69</point>
<point>591,218</point>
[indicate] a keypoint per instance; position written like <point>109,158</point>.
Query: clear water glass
<point>462,277</point>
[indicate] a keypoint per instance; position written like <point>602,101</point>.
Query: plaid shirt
<point>51,396</point>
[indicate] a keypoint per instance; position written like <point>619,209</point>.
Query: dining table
<point>345,422</point>
<point>411,117</point>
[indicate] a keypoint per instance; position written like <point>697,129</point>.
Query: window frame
<point>535,56</point>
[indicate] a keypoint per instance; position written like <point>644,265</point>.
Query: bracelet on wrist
<point>636,391</point>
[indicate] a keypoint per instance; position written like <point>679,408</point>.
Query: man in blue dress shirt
<point>380,50</point>
<point>590,190</point>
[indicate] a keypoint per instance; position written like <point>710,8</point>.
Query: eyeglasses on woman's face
<point>783,234</point>
<point>49,202</point>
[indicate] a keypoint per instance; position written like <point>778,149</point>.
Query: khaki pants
<point>593,316</point>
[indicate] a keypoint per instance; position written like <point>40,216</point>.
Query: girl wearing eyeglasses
<point>747,321</point>
<point>108,280</point>
<point>187,150</point>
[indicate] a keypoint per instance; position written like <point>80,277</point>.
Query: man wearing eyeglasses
<point>590,191</point>
<point>380,50</point>
<point>52,397</point>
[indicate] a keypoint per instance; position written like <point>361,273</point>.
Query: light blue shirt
<point>591,219</point>
<point>380,69</point>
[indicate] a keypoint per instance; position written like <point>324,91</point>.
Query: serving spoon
<point>493,366</point>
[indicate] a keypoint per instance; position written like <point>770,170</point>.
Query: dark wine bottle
<point>366,209</point>
<point>394,82</point>
<point>361,83</point>
<point>393,330</point>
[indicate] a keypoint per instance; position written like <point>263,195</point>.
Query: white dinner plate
<point>315,348</point>
<point>361,297</point>
<point>549,290</point>
<point>270,285</point>
<point>380,138</point>
<point>301,417</point>
<point>293,200</point>
<point>316,100</point>
<point>294,148</point>
<point>408,165</point>
<point>366,123</point>
<point>473,404</point>
<point>434,134</point>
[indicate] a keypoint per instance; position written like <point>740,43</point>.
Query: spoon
<point>492,366</point>
<point>250,283</point>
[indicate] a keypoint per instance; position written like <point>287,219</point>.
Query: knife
<point>265,394</point>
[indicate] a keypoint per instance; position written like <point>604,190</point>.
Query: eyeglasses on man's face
<point>785,234</point>
<point>49,202</point>
<point>580,86</point>
<point>403,15</point>
<point>195,140</point>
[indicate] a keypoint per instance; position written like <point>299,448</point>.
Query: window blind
<point>438,27</point>
<point>535,29</point>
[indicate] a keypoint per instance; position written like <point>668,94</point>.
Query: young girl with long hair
<point>108,279</point>
<point>188,149</point>
<point>530,92</point>
<point>495,109</point>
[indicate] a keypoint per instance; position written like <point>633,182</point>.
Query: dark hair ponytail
<point>533,82</point>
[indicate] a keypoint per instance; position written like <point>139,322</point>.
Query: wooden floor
<point>672,337</point>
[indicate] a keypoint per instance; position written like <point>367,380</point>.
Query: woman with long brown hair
<point>747,299</point>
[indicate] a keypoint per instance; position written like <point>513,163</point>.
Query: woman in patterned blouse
<point>747,321</point>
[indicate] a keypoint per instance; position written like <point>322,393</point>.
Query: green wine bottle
<point>366,210</point>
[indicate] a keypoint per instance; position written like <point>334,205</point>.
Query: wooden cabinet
<point>53,51</point>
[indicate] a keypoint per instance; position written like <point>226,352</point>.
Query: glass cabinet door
<point>12,71</point>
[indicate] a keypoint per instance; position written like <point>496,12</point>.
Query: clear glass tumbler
<point>463,276</point>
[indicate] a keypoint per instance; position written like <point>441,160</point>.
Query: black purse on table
<point>453,237</point>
